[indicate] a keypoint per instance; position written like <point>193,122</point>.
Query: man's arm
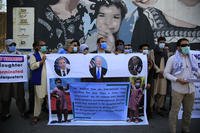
<point>34,64</point>
<point>168,69</point>
<point>168,75</point>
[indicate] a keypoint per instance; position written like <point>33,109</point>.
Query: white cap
<point>9,41</point>
<point>83,47</point>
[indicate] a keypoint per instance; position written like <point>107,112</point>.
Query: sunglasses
<point>12,44</point>
<point>184,45</point>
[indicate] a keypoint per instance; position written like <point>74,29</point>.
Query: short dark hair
<point>180,40</point>
<point>161,39</point>
<point>58,79</point>
<point>99,39</point>
<point>119,41</point>
<point>78,43</point>
<point>35,44</point>
<point>144,45</point>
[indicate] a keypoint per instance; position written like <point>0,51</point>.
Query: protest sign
<point>13,68</point>
<point>95,88</point>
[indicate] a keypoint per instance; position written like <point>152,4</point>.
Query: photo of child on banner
<point>136,99</point>
<point>60,101</point>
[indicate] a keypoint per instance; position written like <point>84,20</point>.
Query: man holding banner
<point>9,90</point>
<point>38,67</point>
<point>182,70</point>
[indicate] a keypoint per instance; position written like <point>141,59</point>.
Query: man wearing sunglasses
<point>181,69</point>
<point>9,90</point>
<point>10,47</point>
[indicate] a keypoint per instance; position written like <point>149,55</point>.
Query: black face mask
<point>60,87</point>
<point>37,49</point>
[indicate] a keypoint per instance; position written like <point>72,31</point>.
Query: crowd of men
<point>168,75</point>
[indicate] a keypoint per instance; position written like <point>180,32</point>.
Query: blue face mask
<point>12,48</point>
<point>104,45</point>
<point>161,45</point>
<point>185,50</point>
<point>43,49</point>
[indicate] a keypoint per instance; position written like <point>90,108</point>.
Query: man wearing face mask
<point>119,46</point>
<point>128,49</point>
<point>152,69</point>
<point>101,46</point>
<point>38,67</point>
<point>9,90</point>
<point>180,69</point>
<point>76,46</point>
<point>161,56</point>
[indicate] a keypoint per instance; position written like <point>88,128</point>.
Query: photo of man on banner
<point>62,66</point>
<point>98,68</point>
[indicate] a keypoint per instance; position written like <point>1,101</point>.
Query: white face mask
<point>161,45</point>
<point>145,51</point>
<point>75,49</point>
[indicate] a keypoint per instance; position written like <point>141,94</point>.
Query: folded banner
<point>13,68</point>
<point>97,89</point>
<point>196,106</point>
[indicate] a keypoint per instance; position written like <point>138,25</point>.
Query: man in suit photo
<point>62,66</point>
<point>98,71</point>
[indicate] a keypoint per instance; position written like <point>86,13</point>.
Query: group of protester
<point>165,74</point>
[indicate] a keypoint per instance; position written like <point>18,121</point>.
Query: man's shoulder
<point>106,51</point>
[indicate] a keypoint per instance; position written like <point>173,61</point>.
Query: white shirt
<point>185,74</point>
<point>63,71</point>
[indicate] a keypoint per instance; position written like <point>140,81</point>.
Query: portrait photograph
<point>62,66</point>
<point>98,67</point>
<point>135,65</point>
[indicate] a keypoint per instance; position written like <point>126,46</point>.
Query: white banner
<point>13,68</point>
<point>196,106</point>
<point>23,27</point>
<point>79,65</point>
<point>79,74</point>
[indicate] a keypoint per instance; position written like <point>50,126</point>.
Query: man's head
<point>161,42</point>
<point>76,46</point>
<point>69,46</point>
<point>128,48</point>
<point>183,46</point>
<point>101,43</point>
<point>98,61</point>
<point>119,45</point>
<point>40,46</point>
<point>10,45</point>
<point>144,48</point>
<point>62,63</point>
